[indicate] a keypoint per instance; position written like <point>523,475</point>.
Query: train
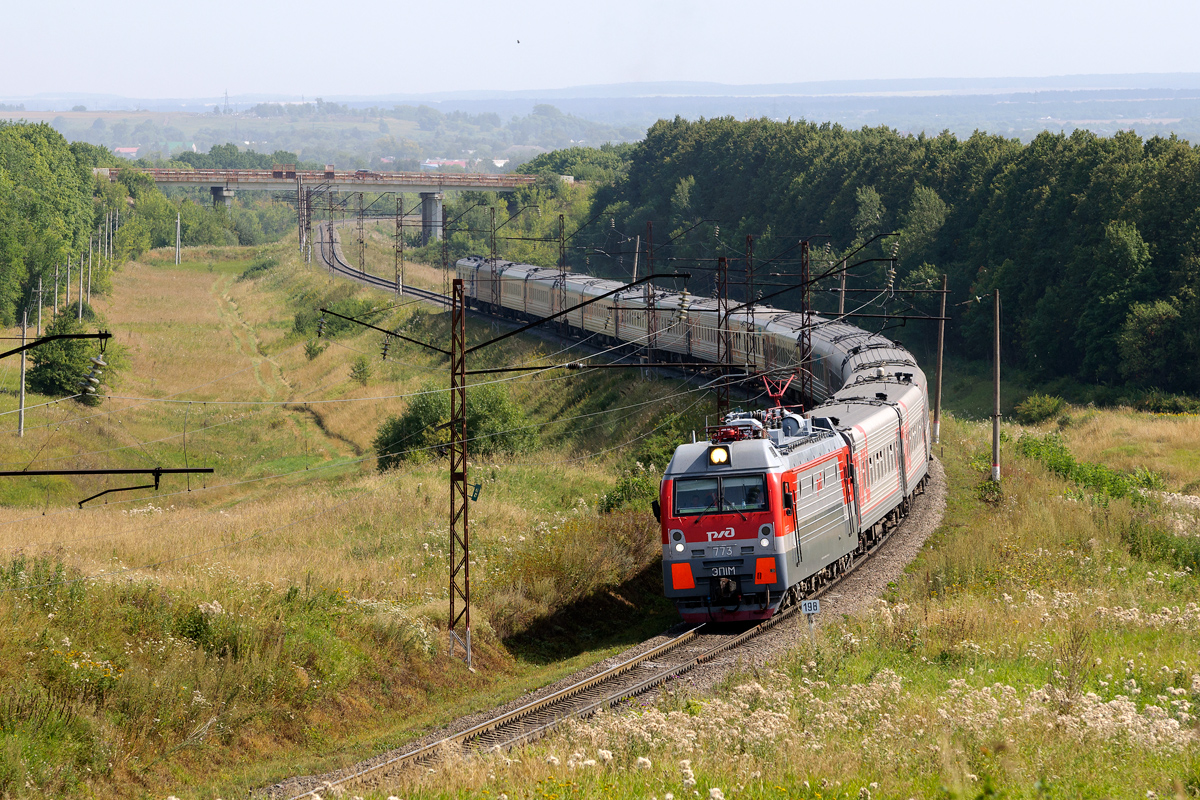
<point>769,504</point>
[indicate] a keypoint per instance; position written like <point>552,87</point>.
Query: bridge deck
<point>340,180</point>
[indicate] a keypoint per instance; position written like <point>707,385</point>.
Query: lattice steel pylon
<point>724,349</point>
<point>752,341</point>
<point>398,250</point>
<point>362,237</point>
<point>308,215</point>
<point>300,208</point>
<point>560,280</point>
<point>804,343</point>
<point>460,539</point>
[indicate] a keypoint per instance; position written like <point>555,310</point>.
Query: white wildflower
<point>605,755</point>
<point>643,763</point>
<point>715,794</point>
<point>552,760</point>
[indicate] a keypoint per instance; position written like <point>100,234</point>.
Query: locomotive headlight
<point>718,456</point>
<point>764,542</point>
<point>679,547</point>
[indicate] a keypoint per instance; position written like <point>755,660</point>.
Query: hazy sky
<point>139,48</point>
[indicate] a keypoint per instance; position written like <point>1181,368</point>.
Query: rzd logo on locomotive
<point>725,534</point>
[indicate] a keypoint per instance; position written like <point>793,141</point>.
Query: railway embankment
<point>1041,640</point>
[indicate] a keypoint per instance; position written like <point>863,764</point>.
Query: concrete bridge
<point>224,184</point>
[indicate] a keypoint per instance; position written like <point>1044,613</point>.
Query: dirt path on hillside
<point>248,342</point>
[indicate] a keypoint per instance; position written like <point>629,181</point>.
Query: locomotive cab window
<point>696,495</point>
<point>744,492</point>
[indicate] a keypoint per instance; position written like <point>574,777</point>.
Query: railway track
<point>621,682</point>
<point>330,252</point>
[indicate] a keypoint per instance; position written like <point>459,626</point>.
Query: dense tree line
<point>1093,242</point>
<point>52,204</point>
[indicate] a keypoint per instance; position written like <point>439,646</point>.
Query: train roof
<point>753,455</point>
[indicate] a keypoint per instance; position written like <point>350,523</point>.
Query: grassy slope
<point>329,641</point>
<point>1037,647</point>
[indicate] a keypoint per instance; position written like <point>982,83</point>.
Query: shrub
<point>312,349</point>
<point>1105,481</point>
<point>1162,403</point>
<point>1038,408</point>
<point>636,488</point>
<point>305,321</point>
<point>495,424</point>
<point>59,365</point>
<point>361,370</point>
<point>257,267</point>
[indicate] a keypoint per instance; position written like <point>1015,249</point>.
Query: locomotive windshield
<point>696,495</point>
<point>744,493</point>
<point>730,493</point>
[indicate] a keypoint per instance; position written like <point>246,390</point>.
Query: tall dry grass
<point>1129,440</point>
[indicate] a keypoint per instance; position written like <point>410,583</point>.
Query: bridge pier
<point>431,217</point>
<point>222,195</point>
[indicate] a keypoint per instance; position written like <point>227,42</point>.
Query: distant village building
<point>438,163</point>
<point>499,162</point>
<point>126,152</point>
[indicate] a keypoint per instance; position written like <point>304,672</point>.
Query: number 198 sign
<point>810,607</point>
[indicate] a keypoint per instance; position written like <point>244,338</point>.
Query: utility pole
<point>398,252</point>
<point>751,338</point>
<point>842,295</point>
<point>650,320</point>
<point>178,242</point>
<point>21,411</point>
<point>937,395</point>
<point>80,317</point>
<point>996,393</point>
<point>56,288</point>
<point>460,539</point>
<point>806,311</point>
<point>89,293</point>
<point>495,261</point>
<point>724,356</point>
<point>362,241</point>
<point>40,301</point>
<point>67,302</point>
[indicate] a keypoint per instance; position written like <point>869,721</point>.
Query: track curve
<point>329,250</point>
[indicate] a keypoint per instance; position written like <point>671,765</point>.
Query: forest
<point>1093,242</point>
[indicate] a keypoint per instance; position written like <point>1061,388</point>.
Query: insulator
<point>320,327</point>
<point>716,230</point>
<point>386,343</point>
<point>99,362</point>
